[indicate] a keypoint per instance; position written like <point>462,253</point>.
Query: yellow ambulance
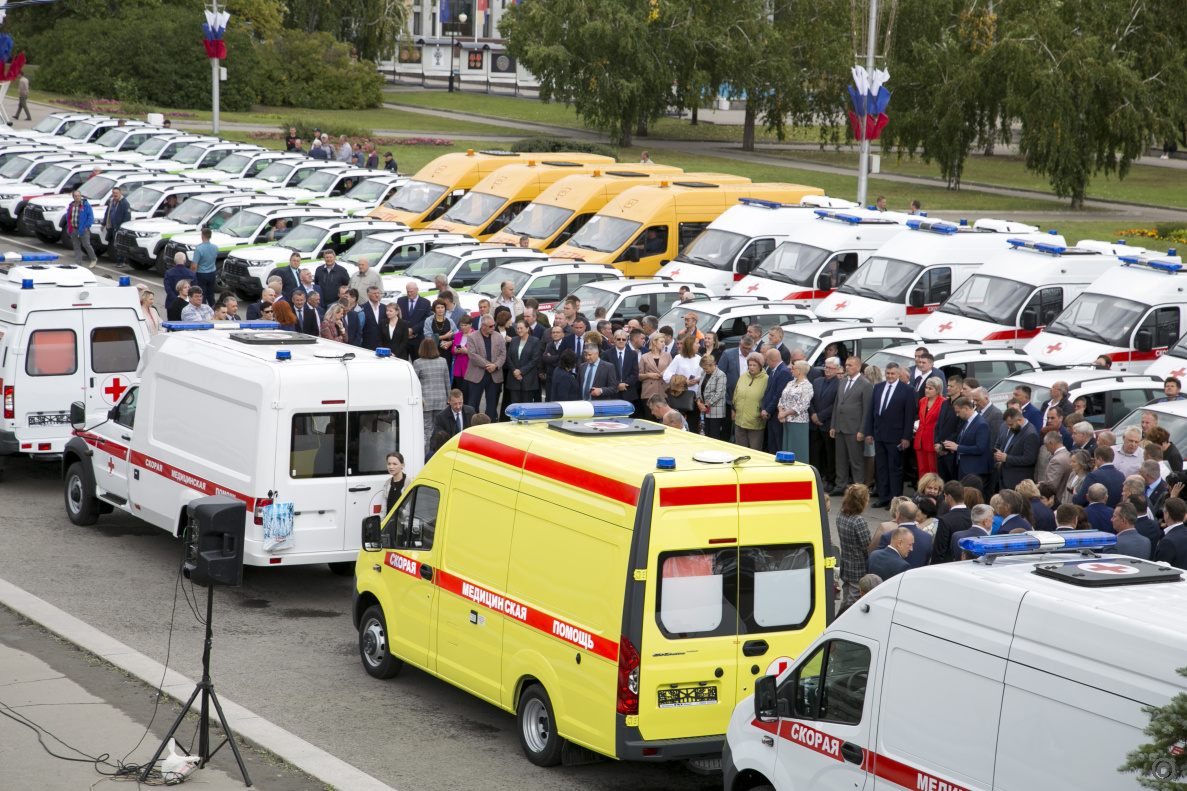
<point>551,219</point>
<point>644,228</point>
<point>617,585</point>
<point>442,183</point>
<point>500,197</point>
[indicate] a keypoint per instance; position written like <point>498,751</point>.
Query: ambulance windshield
<point>987,298</point>
<point>1099,318</point>
<point>714,248</point>
<point>792,262</point>
<point>884,279</point>
<point>1180,347</point>
<point>538,221</point>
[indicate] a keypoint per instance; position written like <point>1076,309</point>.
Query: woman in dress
<point>688,365</point>
<point>393,333</point>
<point>433,373</point>
<point>749,425</point>
<point>651,368</point>
<point>460,353</point>
<point>794,406</point>
<point>331,326</point>
<point>152,319</point>
<point>712,400</point>
<point>853,532</point>
<point>523,359</point>
<point>925,435</point>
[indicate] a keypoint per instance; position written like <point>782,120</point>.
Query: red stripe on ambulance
<point>817,741</point>
<point>189,480</point>
<point>720,494</point>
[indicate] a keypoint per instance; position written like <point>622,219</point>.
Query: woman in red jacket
<point>929,413</point>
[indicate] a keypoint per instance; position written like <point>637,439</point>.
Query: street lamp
<point>461,20</point>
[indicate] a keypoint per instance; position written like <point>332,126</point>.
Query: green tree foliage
<point>1160,769</point>
<point>547,144</point>
<point>314,70</point>
<point>370,27</point>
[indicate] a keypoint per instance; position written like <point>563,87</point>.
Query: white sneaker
<point>1164,156</point>
<point>92,263</point>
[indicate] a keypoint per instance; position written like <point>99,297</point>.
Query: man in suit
<point>947,425</point>
<point>1172,548</point>
<point>536,327</point>
<point>1029,410</point>
<point>732,364</point>
<point>626,366</point>
<point>1055,422</point>
<point>1017,454</point>
<point>1066,517</point>
<point>1129,541</point>
<point>889,428</point>
<point>1059,467</point>
<point>891,560</point>
<point>256,309</point>
<point>329,277</point>
<point>374,314</point>
<point>992,415</point>
<point>1106,474</point>
<point>455,417</point>
<point>308,287</point>
<point>354,318</point>
<point>1156,489</point>
<point>921,547</point>
<point>821,446</point>
<point>596,376</point>
<point>119,211</point>
<point>1100,515</point>
<point>415,309</point>
<point>854,394</point>
<point>778,375</point>
<point>924,369</point>
<point>1009,508</point>
<point>775,341</point>
<point>980,523</point>
<point>488,352</point>
<point>956,519</point>
<point>575,340</point>
<point>971,447</point>
<point>1083,437</point>
<point>290,276</point>
<point>308,322</point>
<point>1057,396</point>
<point>1145,524</point>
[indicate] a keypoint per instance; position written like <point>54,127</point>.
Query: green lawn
<point>1109,231</point>
<point>409,158</point>
<point>1144,184</point>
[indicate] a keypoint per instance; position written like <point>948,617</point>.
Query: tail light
<point>258,513</point>
<point>628,677</point>
<point>9,410</point>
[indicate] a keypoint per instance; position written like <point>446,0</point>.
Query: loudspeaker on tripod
<point>214,540</point>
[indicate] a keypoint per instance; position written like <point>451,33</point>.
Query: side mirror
<point>765,703</point>
<point>1144,341</point>
<point>745,265</point>
<point>632,254</point>
<point>917,298</point>
<point>457,283</point>
<point>1030,320</point>
<point>78,415</point>
<point>371,531</point>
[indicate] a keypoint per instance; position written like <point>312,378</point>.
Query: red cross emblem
<point>1179,372</point>
<point>945,326</point>
<point>1109,568</point>
<point>114,388</point>
<point>840,305</point>
<point>110,466</point>
<point>1055,348</point>
<point>752,289</point>
<point>674,272</point>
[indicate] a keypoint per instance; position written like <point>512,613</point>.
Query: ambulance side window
<point>830,686</point>
<point>52,353</point>
<point>697,593</point>
<point>1163,326</point>
<point>318,445</point>
<point>125,413</point>
<point>114,349</point>
<point>775,590</point>
<point>416,519</point>
<point>373,435</point>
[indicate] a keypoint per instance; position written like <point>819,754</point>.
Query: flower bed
<point>379,141</point>
<point>1177,235</point>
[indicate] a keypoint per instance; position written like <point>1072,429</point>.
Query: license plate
<point>62,419</point>
<point>690,696</point>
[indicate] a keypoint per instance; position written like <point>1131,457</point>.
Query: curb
<point>293,749</point>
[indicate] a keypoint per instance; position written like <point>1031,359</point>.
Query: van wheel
<point>80,503</point>
<point>373,645</point>
<point>344,569</point>
<point>48,238</point>
<point>537,728</point>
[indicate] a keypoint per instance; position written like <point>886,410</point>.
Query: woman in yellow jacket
<point>749,425</point>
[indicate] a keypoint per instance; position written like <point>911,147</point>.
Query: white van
<point>819,256</point>
<point>1014,295</point>
<point>1132,313</point>
<point>63,332</point>
<point>913,273</point>
<point>743,235</point>
<point>1010,672</point>
<point>312,422</point>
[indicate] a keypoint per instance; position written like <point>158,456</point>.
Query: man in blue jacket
<point>118,213</point>
<point>890,424</point>
<point>79,218</point>
<point>892,560</point>
<point>974,453</point>
<point>1105,473</point>
<point>778,375</point>
<point>822,447</point>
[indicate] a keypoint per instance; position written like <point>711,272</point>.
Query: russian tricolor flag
<point>212,32</point>
<point>869,98</point>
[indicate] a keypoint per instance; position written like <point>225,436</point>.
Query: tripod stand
<point>206,687</point>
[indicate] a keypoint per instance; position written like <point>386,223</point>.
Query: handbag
<point>680,397</point>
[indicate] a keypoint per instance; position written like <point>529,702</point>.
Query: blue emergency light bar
<point>1038,541</point>
<point>853,219</point>
<point>766,204</point>
<point>259,325</point>
<point>1162,265</point>
<point>935,226</point>
<point>1042,247</point>
<point>125,281</point>
<point>574,409</point>
<point>181,326</point>
<point>14,258</point>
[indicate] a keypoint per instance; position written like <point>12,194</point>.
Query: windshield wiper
<point>986,316</point>
<point>1099,338</point>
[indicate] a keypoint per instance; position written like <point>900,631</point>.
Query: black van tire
<point>374,650</point>
<point>80,499</point>
<point>343,569</point>
<point>538,737</point>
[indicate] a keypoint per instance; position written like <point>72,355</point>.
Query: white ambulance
<point>743,235</point>
<point>1132,313</point>
<point>1014,295</point>
<point>1015,672</point>
<point>913,273</point>
<point>63,333</point>
<point>312,422</point>
<point>819,256</point>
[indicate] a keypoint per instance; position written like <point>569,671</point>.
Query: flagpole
<point>214,79</point>
<point>863,164</point>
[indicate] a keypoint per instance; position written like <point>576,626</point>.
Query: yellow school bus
<point>442,183</point>
<point>644,228</point>
<point>551,219</point>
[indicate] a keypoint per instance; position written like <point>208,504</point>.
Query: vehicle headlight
<point>145,234</point>
<point>9,197</point>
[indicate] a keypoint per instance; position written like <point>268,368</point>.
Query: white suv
<point>1108,395</point>
<point>731,317</point>
<point>548,281</point>
<point>626,299</point>
<point>859,339</point>
<point>463,266</point>
<point>984,363</point>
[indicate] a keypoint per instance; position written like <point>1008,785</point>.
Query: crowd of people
<point>364,155</point>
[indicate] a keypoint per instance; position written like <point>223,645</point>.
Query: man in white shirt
<point>1128,457</point>
<point>507,299</point>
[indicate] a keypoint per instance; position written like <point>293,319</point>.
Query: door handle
<point>125,436</point>
<point>360,488</point>
<point>754,647</point>
<point>852,753</point>
<point>426,572</point>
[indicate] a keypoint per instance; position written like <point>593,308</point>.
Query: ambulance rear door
<point>372,434</point>
<point>688,655</point>
<point>784,592</point>
<point>315,478</point>
<point>49,376</point>
<point>113,340</point>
